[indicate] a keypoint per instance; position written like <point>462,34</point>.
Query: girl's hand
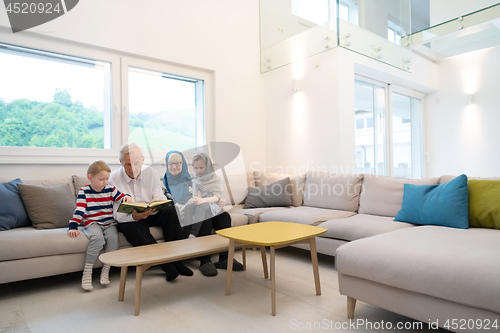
<point>198,201</point>
<point>73,233</point>
<point>127,199</point>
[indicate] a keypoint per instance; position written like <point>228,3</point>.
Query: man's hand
<point>141,216</point>
<point>73,233</point>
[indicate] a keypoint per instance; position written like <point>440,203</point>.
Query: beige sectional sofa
<point>442,276</point>
<point>43,248</point>
<point>429,273</point>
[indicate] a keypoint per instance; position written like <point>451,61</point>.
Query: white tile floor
<point>190,304</point>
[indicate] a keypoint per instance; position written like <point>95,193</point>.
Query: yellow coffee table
<point>275,235</point>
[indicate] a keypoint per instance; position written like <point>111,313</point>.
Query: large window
<point>85,103</point>
<point>166,111</point>
<point>388,130</point>
<point>53,100</point>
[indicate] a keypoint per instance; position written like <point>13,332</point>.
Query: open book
<point>128,207</point>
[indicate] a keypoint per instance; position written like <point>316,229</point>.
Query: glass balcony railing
<point>291,30</point>
<point>477,30</point>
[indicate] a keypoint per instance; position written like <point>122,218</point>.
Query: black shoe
<point>237,266</point>
<point>208,269</point>
<point>170,271</point>
<point>182,269</point>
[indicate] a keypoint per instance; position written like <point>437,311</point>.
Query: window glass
<point>166,111</point>
<point>53,100</point>
<point>405,136</point>
<point>322,11</point>
<point>386,147</point>
<point>370,140</point>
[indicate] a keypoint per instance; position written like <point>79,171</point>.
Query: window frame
<point>418,169</point>
<point>119,114</point>
<point>388,153</point>
<point>206,96</point>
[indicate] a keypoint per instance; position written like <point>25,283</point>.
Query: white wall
<point>461,137</point>
<point>314,128</point>
<point>221,36</point>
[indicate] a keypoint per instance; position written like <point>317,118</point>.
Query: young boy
<point>94,207</point>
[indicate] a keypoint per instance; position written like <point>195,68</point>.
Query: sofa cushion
<point>79,182</point>
<point>277,194</point>
<point>13,214</point>
<point>28,242</point>
<point>52,182</point>
<point>381,195</point>
<point>252,214</point>
<point>457,265</point>
<point>445,204</point>
<point>297,183</point>
<point>484,203</point>
<point>332,191</point>
<point>238,219</point>
<point>48,206</point>
<point>304,215</point>
<point>235,185</point>
<point>361,226</point>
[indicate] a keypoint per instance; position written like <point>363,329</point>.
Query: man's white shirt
<point>145,188</point>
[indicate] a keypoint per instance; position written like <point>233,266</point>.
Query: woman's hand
<point>141,216</point>
<point>222,202</point>
<point>73,233</point>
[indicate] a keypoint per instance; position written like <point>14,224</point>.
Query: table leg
<point>244,256</point>
<point>264,261</point>
<point>314,259</point>
<point>229,270</point>
<point>123,280</point>
<point>273,281</point>
<point>138,286</point>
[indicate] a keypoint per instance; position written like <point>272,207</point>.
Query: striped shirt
<point>95,207</point>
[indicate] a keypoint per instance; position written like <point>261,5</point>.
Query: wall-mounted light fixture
<point>296,85</point>
<point>470,99</point>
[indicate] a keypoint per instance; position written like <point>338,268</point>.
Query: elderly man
<point>144,185</point>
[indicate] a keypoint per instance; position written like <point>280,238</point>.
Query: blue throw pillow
<point>444,205</point>
<point>12,212</point>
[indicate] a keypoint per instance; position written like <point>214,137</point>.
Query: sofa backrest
<point>236,186</point>
<point>48,182</point>
<point>263,178</point>
<point>332,191</point>
<point>382,195</point>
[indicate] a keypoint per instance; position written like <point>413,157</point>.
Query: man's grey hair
<point>129,148</point>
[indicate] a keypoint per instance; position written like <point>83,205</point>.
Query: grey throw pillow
<point>277,194</point>
<point>48,207</point>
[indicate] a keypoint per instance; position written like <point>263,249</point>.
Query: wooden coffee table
<point>275,235</point>
<point>143,257</point>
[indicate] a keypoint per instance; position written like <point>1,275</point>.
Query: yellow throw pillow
<point>484,203</point>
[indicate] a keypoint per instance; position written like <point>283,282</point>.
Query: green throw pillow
<point>484,203</point>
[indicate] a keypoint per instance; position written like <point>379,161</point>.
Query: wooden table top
<point>271,233</point>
